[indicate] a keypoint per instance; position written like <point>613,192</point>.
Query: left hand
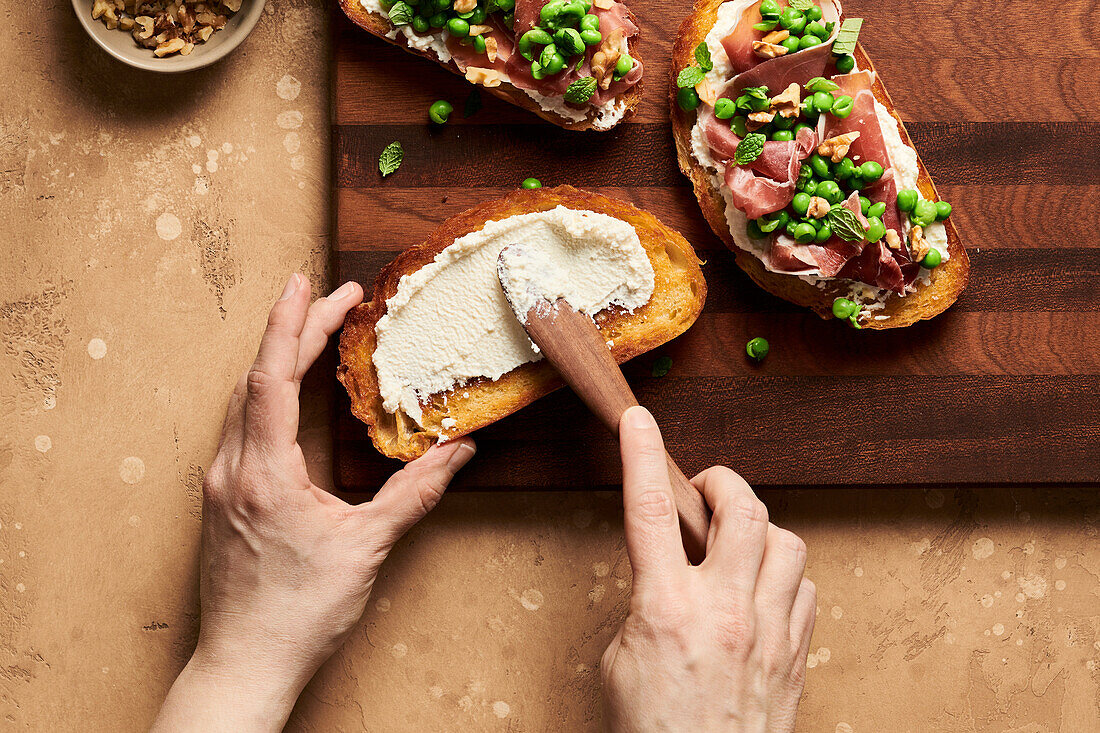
<point>286,567</point>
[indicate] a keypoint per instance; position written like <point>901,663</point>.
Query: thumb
<point>414,491</point>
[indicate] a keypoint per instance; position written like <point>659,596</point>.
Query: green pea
<point>458,28</point>
<point>438,20</point>
<point>823,101</point>
<point>590,23</point>
<point>553,65</point>
<point>753,229</point>
<point>842,106</point>
<point>769,9</point>
<point>536,70</point>
<point>792,19</point>
<point>932,259</point>
<point>548,14</point>
<point>813,13</point>
<point>864,205</point>
<point>943,210</point>
<point>801,203</point>
<point>789,229</point>
<point>506,6</point>
<point>845,169</point>
<point>623,66</point>
<point>725,108</point>
<point>531,183</point>
<point>877,209</point>
<point>907,199</point>
<point>871,171</point>
<point>569,42</point>
<point>845,63</point>
<point>771,222</point>
<point>804,233</point>
<point>548,52</point>
<point>824,233</point>
<point>687,98</point>
<point>738,125</point>
<point>441,5</point>
<point>844,308</point>
<point>830,191</point>
<point>477,16</point>
<point>817,30</point>
<point>924,213</point>
<point>808,41</point>
<point>820,166</point>
<point>783,123</point>
<point>790,43</point>
<point>810,188</point>
<point>876,230</point>
<point>420,24</point>
<point>757,348</point>
<point>573,12</point>
<point>765,25</point>
<point>855,182</point>
<point>808,109</point>
<point>440,111</point>
<point>756,104</point>
<point>782,135</point>
<point>479,44</point>
<point>591,38</point>
<point>536,36</point>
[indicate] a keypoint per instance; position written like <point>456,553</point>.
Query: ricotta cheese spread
<point>435,42</point>
<point>449,322</point>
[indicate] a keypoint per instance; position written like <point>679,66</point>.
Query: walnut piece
<point>787,102</point>
<point>835,148</point>
<point>759,119</point>
<point>487,78</point>
<point>604,60</point>
<point>159,24</point>
<point>818,207</point>
<point>893,239</point>
<point>477,30</point>
<point>168,47</point>
<point>604,4</point>
<point>465,6</point>
<point>776,36</point>
<point>767,50</point>
<point>491,49</point>
<point>918,245</point>
<point>707,94</point>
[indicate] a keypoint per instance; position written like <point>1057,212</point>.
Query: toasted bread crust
<point>379,26</point>
<point>947,280</point>
<point>678,296</point>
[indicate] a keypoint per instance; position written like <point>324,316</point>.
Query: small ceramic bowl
<point>121,45</point>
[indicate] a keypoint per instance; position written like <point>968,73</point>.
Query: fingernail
<point>291,286</point>
<point>342,292</point>
<point>461,456</point>
<point>640,418</point>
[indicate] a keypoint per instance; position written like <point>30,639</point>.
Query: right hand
<point>716,647</point>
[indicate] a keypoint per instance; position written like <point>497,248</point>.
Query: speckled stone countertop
<point>148,224</point>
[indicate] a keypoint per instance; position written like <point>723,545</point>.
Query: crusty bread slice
<point>379,26</point>
<point>678,295</point>
<point>947,280</point>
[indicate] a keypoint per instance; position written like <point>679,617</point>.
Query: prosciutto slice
<point>738,45</point>
<point>826,260</point>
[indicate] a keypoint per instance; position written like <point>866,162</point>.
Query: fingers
<point>653,540</point>
<point>271,407</point>
<point>738,528</point>
<point>414,491</point>
<point>803,616</point>
<point>324,318</point>
<point>778,583</point>
<point>233,426</point>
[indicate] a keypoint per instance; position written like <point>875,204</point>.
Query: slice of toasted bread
<point>379,26</point>
<point>947,280</point>
<point>678,295</point>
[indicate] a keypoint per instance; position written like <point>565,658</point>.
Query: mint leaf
<point>821,84</point>
<point>845,43</point>
<point>662,366</point>
<point>758,92</point>
<point>845,224</point>
<point>473,103</point>
<point>802,5</point>
<point>580,91</point>
<point>390,159</point>
<point>702,56</point>
<point>805,173</point>
<point>689,77</point>
<point>749,148</point>
<point>401,14</point>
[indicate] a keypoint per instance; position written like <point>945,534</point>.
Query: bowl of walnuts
<point>168,35</point>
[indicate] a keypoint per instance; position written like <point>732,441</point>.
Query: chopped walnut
<point>159,24</point>
<point>488,78</point>
<point>818,207</point>
<point>776,36</point>
<point>893,239</point>
<point>605,58</point>
<point>787,102</point>
<point>918,245</point>
<point>477,30</point>
<point>604,4</point>
<point>168,47</point>
<point>491,49</point>
<point>835,148</point>
<point>706,92</point>
<point>465,6</point>
<point>767,50</point>
<point>759,119</point>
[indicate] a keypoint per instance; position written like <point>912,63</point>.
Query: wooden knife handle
<point>572,343</point>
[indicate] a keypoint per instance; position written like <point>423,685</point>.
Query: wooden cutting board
<point>1002,389</point>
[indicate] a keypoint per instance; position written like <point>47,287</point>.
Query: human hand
<point>718,646</point>
<point>286,567</point>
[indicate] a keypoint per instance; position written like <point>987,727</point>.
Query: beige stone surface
<point>149,221</point>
